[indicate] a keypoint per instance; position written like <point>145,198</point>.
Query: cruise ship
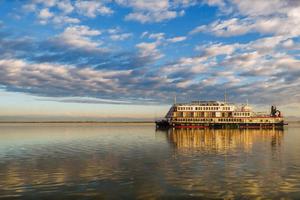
<point>219,114</point>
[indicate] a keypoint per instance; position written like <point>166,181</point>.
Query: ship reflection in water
<point>124,161</point>
<point>223,140</point>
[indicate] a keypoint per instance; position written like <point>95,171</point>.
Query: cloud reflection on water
<point>125,161</point>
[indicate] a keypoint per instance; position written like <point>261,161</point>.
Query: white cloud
<point>157,36</point>
<point>160,38</point>
<point>121,36</point>
<point>212,50</point>
<point>184,83</point>
<point>260,8</point>
<point>117,34</point>
<point>277,17</point>
<point>80,37</point>
<point>59,14</point>
<point>219,3</point>
<point>146,11</point>
<point>65,20</point>
<point>45,14</point>
<point>65,6</point>
<point>149,50</point>
<point>92,8</point>
<point>48,3</point>
<point>225,28</point>
<point>114,30</point>
<point>145,17</point>
<point>177,39</point>
<point>152,5</point>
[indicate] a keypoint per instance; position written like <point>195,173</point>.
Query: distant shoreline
<point>92,122</point>
<point>74,122</point>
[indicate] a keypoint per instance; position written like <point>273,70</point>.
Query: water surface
<point>117,161</point>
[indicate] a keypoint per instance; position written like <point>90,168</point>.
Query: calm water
<point>67,161</point>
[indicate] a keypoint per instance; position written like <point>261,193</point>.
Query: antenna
<point>247,102</point>
<point>225,96</point>
<point>175,99</point>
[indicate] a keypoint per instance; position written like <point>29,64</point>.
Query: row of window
<point>207,108</point>
<point>209,119</point>
<point>203,108</point>
<point>194,119</point>
<point>230,120</point>
<point>242,114</point>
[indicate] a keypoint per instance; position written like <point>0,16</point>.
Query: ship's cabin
<point>209,109</point>
<point>205,106</point>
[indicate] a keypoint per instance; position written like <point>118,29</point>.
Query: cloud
<point>66,6</point>
<point>244,71</point>
<point>149,50</point>
<point>161,39</point>
<point>157,36</point>
<point>116,34</point>
<point>58,80</point>
<point>177,39</point>
<point>145,17</point>
<point>219,3</point>
<point>79,37</point>
<point>143,11</point>
<point>151,11</point>
<point>76,45</point>
<point>277,17</point>
<point>60,20</point>
<point>45,14</point>
<point>88,100</point>
<point>52,11</point>
<point>92,8</point>
<point>121,36</point>
<point>213,50</point>
<point>83,62</point>
<point>225,28</point>
<point>60,12</point>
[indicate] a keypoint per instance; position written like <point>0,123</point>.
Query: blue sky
<point>90,59</point>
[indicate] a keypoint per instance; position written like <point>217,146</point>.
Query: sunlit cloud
<point>135,52</point>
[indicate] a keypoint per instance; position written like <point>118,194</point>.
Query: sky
<point>128,59</point>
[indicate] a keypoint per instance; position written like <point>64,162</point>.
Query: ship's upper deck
<point>205,103</point>
<point>212,106</point>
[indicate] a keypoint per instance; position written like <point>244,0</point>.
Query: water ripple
<point>127,161</point>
